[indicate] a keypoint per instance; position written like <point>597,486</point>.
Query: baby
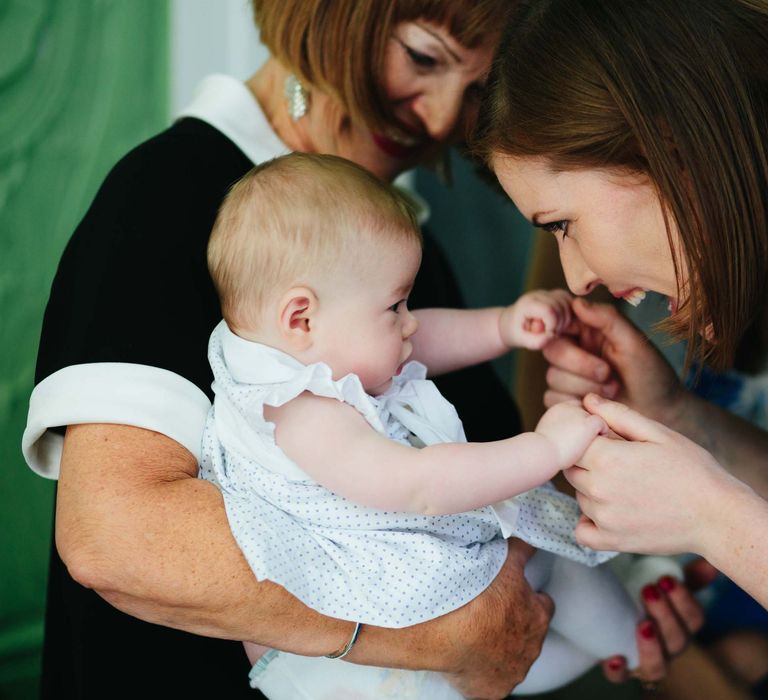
<point>346,476</point>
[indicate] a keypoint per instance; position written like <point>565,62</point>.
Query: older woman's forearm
<point>134,524</point>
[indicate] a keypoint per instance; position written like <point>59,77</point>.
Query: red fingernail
<point>651,593</point>
<point>616,664</point>
<point>667,583</point>
<point>647,631</point>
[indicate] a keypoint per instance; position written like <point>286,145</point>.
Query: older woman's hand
<point>496,637</point>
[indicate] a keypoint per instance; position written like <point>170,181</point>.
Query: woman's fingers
<point>699,573</point>
<point>553,397</point>
<point>588,534</point>
<point>619,334</point>
<point>653,665</point>
<point>615,669</point>
<point>681,600</point>
<point>565,382</point>
<point>562,352</point>
<point>624,421</point>
<point>672,632</point>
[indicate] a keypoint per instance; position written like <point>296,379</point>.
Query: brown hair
<point>339,46</point>
<point>291,218</point>
<point>675,90</point>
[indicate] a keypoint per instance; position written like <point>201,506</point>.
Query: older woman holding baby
<point>123,364</point>
<point>639,142</point>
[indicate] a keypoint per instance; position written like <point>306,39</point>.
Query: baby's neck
<point>271,340</point>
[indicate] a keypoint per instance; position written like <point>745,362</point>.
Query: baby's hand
<point>570,429</point>
<point>535,318</point>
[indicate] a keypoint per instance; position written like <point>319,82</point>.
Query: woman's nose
<point>581,280</point>
<point>440,110</point>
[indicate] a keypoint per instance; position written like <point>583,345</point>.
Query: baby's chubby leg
<point>594,619</point>
<point>559,663</point>
<point>592,607</point>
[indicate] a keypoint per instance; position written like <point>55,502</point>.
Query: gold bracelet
<point>341,653</point>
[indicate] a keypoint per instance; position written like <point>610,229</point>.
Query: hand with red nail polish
<point>673,616</point>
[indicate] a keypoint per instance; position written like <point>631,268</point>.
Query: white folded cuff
<point>111,392</point>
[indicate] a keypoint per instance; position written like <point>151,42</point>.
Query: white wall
<point>216,36</point>
<point>211,36</point>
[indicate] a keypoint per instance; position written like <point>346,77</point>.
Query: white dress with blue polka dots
<point>342,559</point>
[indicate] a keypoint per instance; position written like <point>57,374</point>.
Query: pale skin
<point>329,440</point>
<point>638,492</point>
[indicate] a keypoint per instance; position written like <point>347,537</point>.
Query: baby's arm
<point>449,339</point>
<point>335,446</point>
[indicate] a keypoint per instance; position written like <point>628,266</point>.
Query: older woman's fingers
<point>686,607</point>
<point>671,631</point>
<point>565,354</point>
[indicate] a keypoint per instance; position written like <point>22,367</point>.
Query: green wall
<point>81,82</point>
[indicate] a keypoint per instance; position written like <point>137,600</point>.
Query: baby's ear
<point>297,311</point>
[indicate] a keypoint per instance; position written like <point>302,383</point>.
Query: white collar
<point>250,362</point>
<point>228,105</point>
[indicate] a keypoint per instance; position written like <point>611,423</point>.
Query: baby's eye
<point>396,306</point>
<point>556,227</point>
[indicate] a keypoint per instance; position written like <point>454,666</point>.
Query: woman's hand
<point>607,355</point>
<point>673,616</point>
<point>649,489</point>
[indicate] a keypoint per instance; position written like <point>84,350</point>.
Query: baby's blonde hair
<point>292,217</point>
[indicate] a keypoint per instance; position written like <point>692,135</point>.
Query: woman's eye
<point>419,59</point>
<point>556,227</point>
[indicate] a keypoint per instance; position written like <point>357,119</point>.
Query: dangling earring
<point>297,97</point>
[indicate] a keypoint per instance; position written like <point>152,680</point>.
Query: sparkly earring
<point>297,97</point>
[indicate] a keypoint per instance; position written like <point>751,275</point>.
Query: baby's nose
<point>410,325</point>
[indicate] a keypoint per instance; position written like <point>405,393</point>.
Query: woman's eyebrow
<point>441,40</point>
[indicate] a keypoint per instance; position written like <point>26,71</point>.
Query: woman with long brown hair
<point>635,133</point>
